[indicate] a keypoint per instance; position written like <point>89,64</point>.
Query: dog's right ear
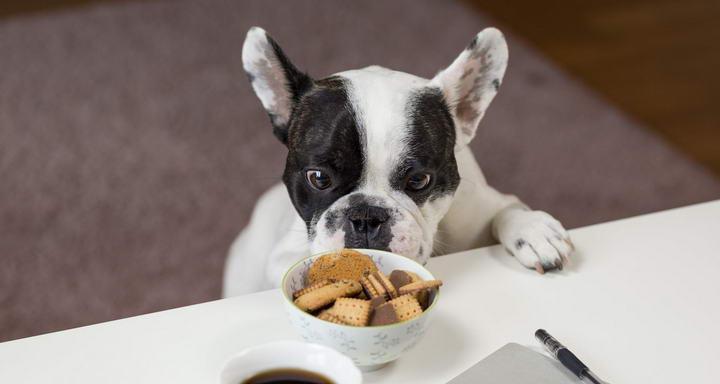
<point>276,81</point>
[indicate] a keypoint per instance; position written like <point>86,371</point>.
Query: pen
<point>566,358</point>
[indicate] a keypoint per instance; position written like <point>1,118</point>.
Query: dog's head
<point>371,152</point>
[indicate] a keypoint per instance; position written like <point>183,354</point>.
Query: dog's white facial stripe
<point>379,97</point>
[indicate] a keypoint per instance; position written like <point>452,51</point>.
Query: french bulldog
<point>379,159</point>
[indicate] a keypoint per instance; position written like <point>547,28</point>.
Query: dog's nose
<point>367,220</point>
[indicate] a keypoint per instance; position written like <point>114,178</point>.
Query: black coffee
<point>288,376</point>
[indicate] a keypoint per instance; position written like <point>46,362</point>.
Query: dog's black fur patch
<point>472,44</point>
<point>431,147</point>
<point>322,135</point>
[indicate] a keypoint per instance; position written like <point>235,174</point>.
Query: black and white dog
<point>380,159</point>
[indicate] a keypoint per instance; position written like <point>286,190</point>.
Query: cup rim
<point>343,326</point>
<point>293,344</point>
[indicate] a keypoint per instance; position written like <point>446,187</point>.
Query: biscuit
<point>392,292</point>
<point>402,278</point>
<point>323,312</point>
<point>351,311</point>
<point>377,284</point>
<point>406,307</point>
<point>311,288</point>
<point>414,276</point>
<point>399,278</point>
<point>345,264</point>
<point>377,301</point>
<point>372,287</point>
<point>419,286</point>
<point>384,315</point>
<point>328,316</point>
<point>323,296</point>
<point>423,297</point>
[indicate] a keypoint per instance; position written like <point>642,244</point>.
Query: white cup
<point>293,355</point>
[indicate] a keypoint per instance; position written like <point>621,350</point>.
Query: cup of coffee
<point>290,361</point>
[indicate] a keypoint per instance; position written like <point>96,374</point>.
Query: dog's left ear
<point>472,80</point>
<point>276,81</point>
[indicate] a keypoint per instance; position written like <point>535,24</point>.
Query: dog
<point>379,159</point>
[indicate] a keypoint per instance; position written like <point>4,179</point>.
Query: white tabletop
<point>638,305</point>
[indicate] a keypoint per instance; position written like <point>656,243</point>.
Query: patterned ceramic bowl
<point>368,347</point>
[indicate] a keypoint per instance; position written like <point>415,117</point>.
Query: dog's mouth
<point>403,244</point>
<point>352,222</point>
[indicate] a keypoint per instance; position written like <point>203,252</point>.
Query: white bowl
<point>290,354</point>
<point>368,347</point>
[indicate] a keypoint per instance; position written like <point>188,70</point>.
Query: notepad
<point>515,364</point>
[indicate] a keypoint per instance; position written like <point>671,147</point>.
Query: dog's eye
<point>318,179</point>
<point>417,181</point>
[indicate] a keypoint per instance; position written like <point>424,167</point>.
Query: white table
<point>640,304</point>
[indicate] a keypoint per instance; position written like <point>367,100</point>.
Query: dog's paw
<point>535,238</point>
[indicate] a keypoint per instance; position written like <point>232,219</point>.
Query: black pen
<point>566,358</point>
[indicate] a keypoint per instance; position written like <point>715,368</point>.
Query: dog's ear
<point>276,81</point>
<point>472,80</point>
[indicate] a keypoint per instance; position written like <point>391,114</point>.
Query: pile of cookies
<point>346,287</point>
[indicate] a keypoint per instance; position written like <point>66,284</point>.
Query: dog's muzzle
<point>367,226</point>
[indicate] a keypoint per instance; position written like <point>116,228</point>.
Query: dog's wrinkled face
<point>371,152</point>
<point>371,162</point>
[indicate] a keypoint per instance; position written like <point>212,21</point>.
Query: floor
<point>121,192</point>
<point>10,8</point>
<point>655,59</point>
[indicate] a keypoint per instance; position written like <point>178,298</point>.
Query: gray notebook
<point>515,364</point>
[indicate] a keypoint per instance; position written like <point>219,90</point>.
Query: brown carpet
<point>132,149</point>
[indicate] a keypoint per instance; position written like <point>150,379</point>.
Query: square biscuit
<point>406,307</point>
<point>326,295</point>
<point>351,311</point>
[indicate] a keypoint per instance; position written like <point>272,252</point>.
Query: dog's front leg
<point>275,239</point>
<point>535,238</point>
<point>480,214</point>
